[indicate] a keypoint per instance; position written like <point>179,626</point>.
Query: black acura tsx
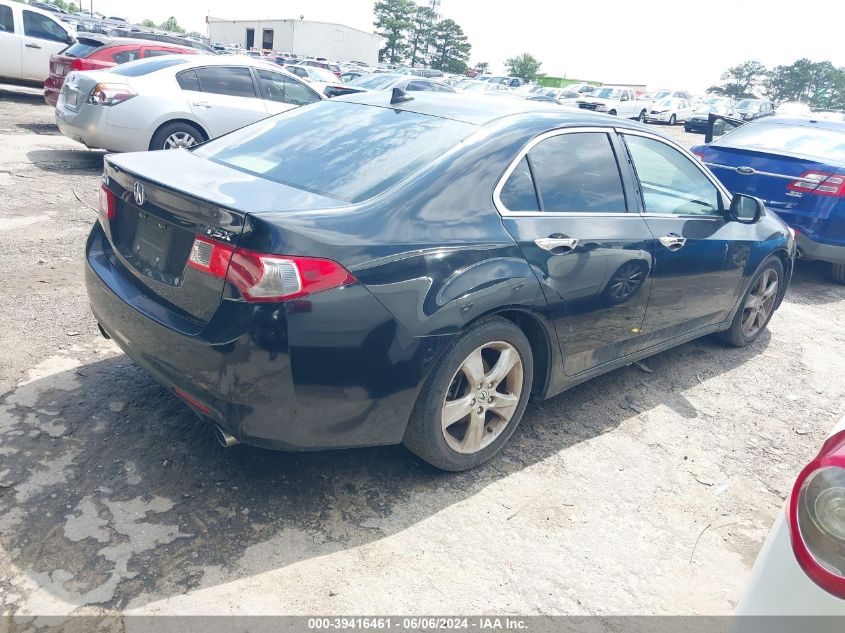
<point>378,269</point>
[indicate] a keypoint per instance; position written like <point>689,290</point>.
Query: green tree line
<point>414,35</point>
<point>818,84</point>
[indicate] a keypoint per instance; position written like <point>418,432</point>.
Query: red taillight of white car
<point>109,94</point>
<point>817,517</point>
<point>265,278</point>
<point>819,182</point>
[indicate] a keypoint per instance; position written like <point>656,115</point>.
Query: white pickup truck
<point>614,100</point>
<point>28,37</point>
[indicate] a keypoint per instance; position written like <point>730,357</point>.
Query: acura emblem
<point>139,194</point>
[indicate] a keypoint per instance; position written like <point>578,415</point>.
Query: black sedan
<point>382,268</point>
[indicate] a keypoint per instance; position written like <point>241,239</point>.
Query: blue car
<point>797,167</point>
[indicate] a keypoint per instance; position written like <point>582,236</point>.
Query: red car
<point>95,52</point>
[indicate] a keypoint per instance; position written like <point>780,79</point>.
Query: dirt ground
<point>646,491</point>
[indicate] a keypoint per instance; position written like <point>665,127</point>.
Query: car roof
<point>835,126</point>
<point>108,40</point>
<point>480,110</point>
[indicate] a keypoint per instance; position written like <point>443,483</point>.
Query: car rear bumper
<point>696,124</point>
<point>810,249</point>
<point>88,125</point>
<point>333,370</point>
<point>52,88</point>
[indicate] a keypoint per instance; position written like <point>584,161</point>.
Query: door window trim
<point>497,190</point>
<point>726,196</point>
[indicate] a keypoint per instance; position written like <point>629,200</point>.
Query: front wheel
<point>641,118</point>
<point>672,120</point>
<point>612,113</point>
<point>474,398</point>
<point>757,307</point>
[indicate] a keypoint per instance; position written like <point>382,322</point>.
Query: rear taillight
<point>109,94</point>
<point>817,517</point>
<point>108,210</point>
<point>264,278</point>
<point>819,182</point>
<point>83,64</point>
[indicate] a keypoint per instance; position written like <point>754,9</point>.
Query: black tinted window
<point>518,193</point>
<point>157,52</point>
<point>577,172</point>
<point>126,56</point>
<point>419,85</point>
<point>82,48</point>
<point>226,80</point>
<point>7,24</point>
<point>187,80</point>
<point>42,27</point>
<point>146,66</point>
<point>277,87</point>
<point>343,150</point>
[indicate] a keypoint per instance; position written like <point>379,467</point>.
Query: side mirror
<point>745,209</point>
<point>70,39</point>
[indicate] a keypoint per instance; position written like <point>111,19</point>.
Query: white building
<point>300,37</point>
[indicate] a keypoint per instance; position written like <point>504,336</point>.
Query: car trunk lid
<point>160,212</point>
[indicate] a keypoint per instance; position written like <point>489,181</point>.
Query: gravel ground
<point>646,491</point>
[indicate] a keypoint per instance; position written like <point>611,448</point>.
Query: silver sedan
<point>174,101</point>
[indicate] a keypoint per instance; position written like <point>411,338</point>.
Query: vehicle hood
<point>597,100</point>
<point>183,171</point>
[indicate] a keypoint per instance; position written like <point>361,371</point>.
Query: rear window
<point>82,48</point>
<point>342,150</point>
<point>794,139</point>
<point>146,66</point>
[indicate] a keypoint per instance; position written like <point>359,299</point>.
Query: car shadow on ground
<point>812,284</point>
<point>115,493</point>
<point>22,94</point>
<point>64,160</point>
<point>43,129</point>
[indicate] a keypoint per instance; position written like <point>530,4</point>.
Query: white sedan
<point>319,78</point>
<point>174,101</point>
<point>801,568</point>
<point>670,110</point>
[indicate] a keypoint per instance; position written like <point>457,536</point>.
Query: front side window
<point>670,182</point>
<point>42,27</point>
<point>277,87</point>
<point>577,172</point>
<point>226,80</point>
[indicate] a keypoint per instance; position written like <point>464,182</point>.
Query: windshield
<point>319,74</point>
<point>660,94</point>
<point>704,109</point>
<point>827,145</point>
<point>665,103</point>
<point>375,82</point>
<point>346,151</point>
<point>607,93</point>
<point>147,66</point>
<point>748,104</point>
<point>475,88</point>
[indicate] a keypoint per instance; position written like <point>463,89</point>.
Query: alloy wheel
<point>626,281</point>
<point>482,397</point>
<point>179,139</point>
<point>759,304</point>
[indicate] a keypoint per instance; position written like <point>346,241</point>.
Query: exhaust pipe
<point>225,439</point>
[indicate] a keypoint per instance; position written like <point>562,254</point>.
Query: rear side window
<point>277,87</point>
<point>187,80</point>
<point>343,150</point>
<point>418,86</point>
<point>146,66</point>
<point>226,80</point>
<point>798,139</point>
<point>126,56</point>
<point>518,193</point>
<point>42,27</point>
<point>7,23</point>
<point>577,172</point>
<point>158,52</point>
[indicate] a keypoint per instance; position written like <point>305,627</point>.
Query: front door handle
<point>673,241</point>
<point>202,104</point>
<point>552,243</point>
<point>32,45</point>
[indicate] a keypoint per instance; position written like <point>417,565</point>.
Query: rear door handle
<point>32,45</point>
<point>202,104</point>
<point>552,243</point>
<point>673,241</point>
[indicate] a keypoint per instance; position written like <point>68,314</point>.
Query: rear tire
<point>641,118</point>
<point>687,128</point>
<point>612,113</point>
<point>457,425</point>
<point>748,322</point>
<point>837,271</point>
<point>673,119</point>
<point>177,134</point>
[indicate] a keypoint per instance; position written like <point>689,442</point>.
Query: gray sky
<point>604,40</point>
